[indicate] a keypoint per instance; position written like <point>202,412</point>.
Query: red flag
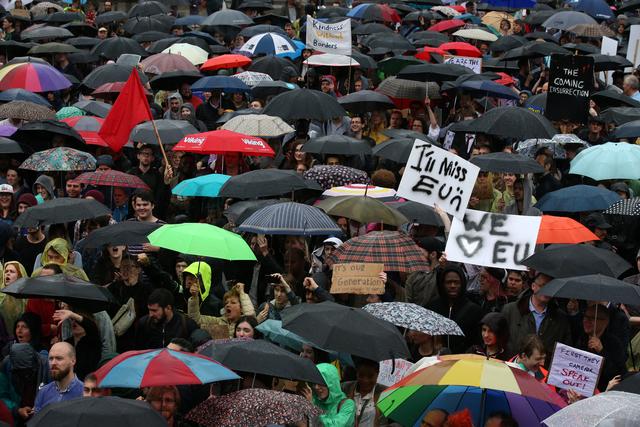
<point>131,108</point>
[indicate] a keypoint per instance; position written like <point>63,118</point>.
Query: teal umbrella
<point>613,160</point>
<point>274,332</point>
<point>202,186</point>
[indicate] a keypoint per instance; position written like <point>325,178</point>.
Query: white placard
<point>329,38</point>
<point>633,47</point>
<point>609,47</point>
<point>434,176</point>
<point>573,369</point>
<point>493,240</point>
<point>474,64</point>
<point>388,378</point>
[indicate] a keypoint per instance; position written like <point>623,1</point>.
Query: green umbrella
<point>362,209</point>
<point>202,240</point>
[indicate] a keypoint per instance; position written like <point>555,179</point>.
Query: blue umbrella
<point>294,219</point>
<point>274,332</point>
<point>268,44</point>
<point>227,84</point>
<point>294,55</point>
<point>599,9</point>
<point>489,88</point>
<point>613,160</point>
<point>22,95</point>
<point>512,4</point>
<point>577,198</point>
<point>189,20</point>
<point>202,186</point>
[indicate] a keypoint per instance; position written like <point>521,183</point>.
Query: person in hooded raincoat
<point>337,409</point>
<point>57,251</point>
<point>200,273</point>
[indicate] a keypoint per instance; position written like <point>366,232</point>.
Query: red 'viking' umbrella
<point>111,178</point>
<point>461,49</point>
<point>225,61</point>
<point>447,25</point>
<point>223,142</point>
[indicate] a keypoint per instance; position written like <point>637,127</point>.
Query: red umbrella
<point>449,24</point>
<point>461,49</point>
<point>111,178</point>
<point>223,142</point>
<point>88,128</point>
<point>505,79</point>
<point>559,229</point>
<point>225,61</point>
<point>425,53</point>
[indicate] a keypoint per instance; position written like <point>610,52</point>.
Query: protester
<point>65,384</point>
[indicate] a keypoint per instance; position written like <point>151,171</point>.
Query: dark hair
<point>254,324</point>
<point>53,267</point>
<point>144,195</point>
<point>91,377</point>
<point>506,420</point>
<point>531,343</point>
<point>362,362</point>
<point>499,326</point>
<point>33,322</point>
<point>185,344</point>
<point>162,297</point>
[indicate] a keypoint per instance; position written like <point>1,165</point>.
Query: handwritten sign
<point>633,47</point>
<point>386,377</point>
<point>493,240</point>
<point>434,176</point>
<point>570,86</point>
<point>329,38</point>
<point>474,64</point>
<point>573,369</point>
<point>357,278</point>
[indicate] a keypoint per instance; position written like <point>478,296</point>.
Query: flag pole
<point>164,153</point>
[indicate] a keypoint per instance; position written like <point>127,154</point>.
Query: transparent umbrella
<point>613,408</point>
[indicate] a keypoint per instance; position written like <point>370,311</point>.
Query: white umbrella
<point>612,408</point>
<point>252,78</point>
<point>446,10</point>
<point>196,55</point>
<point>332,60</point>
<point>476,34</point>
<point>269,44</point>
<point>258,125</point>
<point>359,190</point>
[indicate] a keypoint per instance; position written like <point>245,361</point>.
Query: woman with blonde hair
<point>11,308</point>
<point>236,304</point>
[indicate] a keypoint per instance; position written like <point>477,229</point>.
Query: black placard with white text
<point>570,86</point>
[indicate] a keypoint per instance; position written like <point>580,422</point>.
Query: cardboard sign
<point>573,369</point>
<point>329,38</point>
<point>609,47</point>
<point>493,240</point>
<point>388,378</point>
<point>570,86</point>
<point>633,47</point>
<point>357,278</point>
<point>474,64</point>
<point>434,176</point>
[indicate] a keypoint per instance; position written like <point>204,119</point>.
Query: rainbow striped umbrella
<point>32,76</point>
<point>155,368</point>
<point>484,386</point>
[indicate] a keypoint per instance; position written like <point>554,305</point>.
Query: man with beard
<point>162,324</point>
<point>65,384</point>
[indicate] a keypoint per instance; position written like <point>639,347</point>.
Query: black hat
<point>596,220</point>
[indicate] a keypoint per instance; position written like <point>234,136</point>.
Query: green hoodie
<point>332,416</point>
<point>202,271</point>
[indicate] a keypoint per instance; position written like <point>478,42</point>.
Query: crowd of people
<point>52,349</point>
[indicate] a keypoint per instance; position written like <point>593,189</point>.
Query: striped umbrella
<point>59,159</point>
<point>88,128</point>
<point>268,44</point>
<point>293,219</point>
<point>111,178</point>
<point>163,367</point>
<point>32,76</point>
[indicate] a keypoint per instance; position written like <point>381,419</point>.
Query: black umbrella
<point>114,47</point>
<point>345,329</point>
<point>231,114</point>
<point>506,43</point>
<point>593,287</point>
<point>397,150</point>
<point>148,8</point>
<point>258,5</point>
<point>389,41</point>
<point>38,135</point>
<point>337,144</point>
<point>304,104</point>
<point>140,24</point>
<point>406,133</point>
<point>170,131</point>
<point>105,411</point>
<point>332,11</point>
<point>96,108</point>
<point>271,65</point>
<point>457,83</point>
<point>627,130</point>
<point>238,212</point>
<point>23,95</point>
<point>83,42</point>
<point>122,233</point>
<point>630,384</point>
<point>366,101</point>
<point>46,33</point>
<point>52,48</point>
<point>61,210</point>
<point>62,17</point>
<point>227,17</point>
<point>366,62</point>
<point>535,49</point>
<point>265,89</point>
<point>172,80</point>
<point>371,28</point>
<point>65,288</point>
<point>9,146</point>
<point>620,115</point>
<point>433,72</point>
<point>272,19</point>
<point>109,17</point>
<point>509,122</point>
<point>149,36</point>
<point>583,48</point>
<point>503,162</point>
<point>264,358</point>
<point>13,48</point>
<point>609,62</point>
<point>629,5</point>
<point>575,260</point>
<point>611,98</point>
<point>79,28</point>
<point>108,73</point>
<point>418,213</point>
<point>163,44</point>
<point>82,58</point>
<point>495,64</point>
<point>540,35</point>
<point>263,183</point>
<point>254,30</point>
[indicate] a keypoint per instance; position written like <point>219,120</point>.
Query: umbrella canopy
<point>273,331</point>
<point>225,61</point>
<point>262,357</point>
<point>560,229</point>
<point>253,407</point>
<point>398,88</point>
<point>202,240</point>
<point>113,47</point>
<point>369,12</point>
<point>155,368</point>
<point>598,9</point>
<point>202,186</point>
<point>223,142</point>
<point>96,108</point>
<point>69,289</point>
<point>506,162</point>
<point>329,176</point>
<point>111,178</point>
<point>331,60</point>
<point>413,317</point>
<point>630,384</point>
<point>38,134</point>
<point>271,65</point>
<point>593,287</point>
<point>476,34</point>
<point>53,48</point>
<point>227,17</point>
<point>122,233</point>
<point>36,34</point>
<point>263,183</point>
<point>293,219</point>
<point>172,80</point>
<point>488,88</point>
<point>265,89</point>
<point>227,84</point>
<point>253,78</point>
<point>268,44</point>
<point>140,24</point>
<point>61,210</point>
<point>620,115</point>
<point>567,19</point>
<point>194,54</point>
<point>418,213</point>
<point>254,30</point>
<point>109,17</point>
<point>166,62</point>
<point>450,24</point>
<point>393,249</point>
<point>630,207</point>
<point>397,150</point>
<point>304,104</point>
<point>108,73</point>
<point>433,72</point>
<point>509,122</point>
<point>612,408</point>
<point>575,260</point>
<point>170,131</point>
<point>337,144</point>
<point>365,101</point>
<point>362,209</point>
<point>59,159</point>
<point>148,8</point>
<point>88,128</point>
<point>105,411</point>
<point>25,110</point>
<point>372,191</point>
<point>240,211</point>
<point>260,125</point>
<point>345,329</point>
<point>23,95</point>
<point>9,146</point>
<point>577,198</point>
<point>613,160</point>
<point>627,130</point>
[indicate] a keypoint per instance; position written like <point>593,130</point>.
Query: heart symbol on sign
<point>469,245</point>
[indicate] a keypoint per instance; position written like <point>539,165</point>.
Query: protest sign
<point>570,86</point>
<point>392,371</point>
<point>357,278</point>
<point>474,64</point>
<point>493,240</point>
<point>633,47</point>
<point>329,38</point>
<point>573,369</point>
<point>434,176</point>
<point>609,47</point>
